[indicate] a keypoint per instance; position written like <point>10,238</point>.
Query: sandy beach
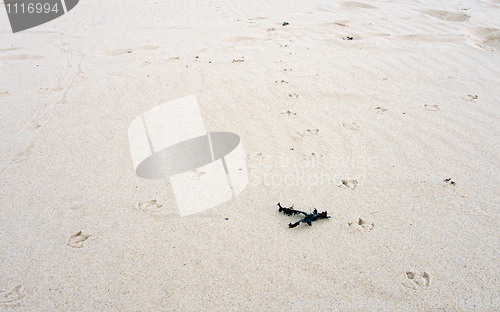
<point>383,113</point>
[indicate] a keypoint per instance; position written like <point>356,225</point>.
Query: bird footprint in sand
<point>256,157</point>
<point>352,184</point>
<point>350,126</point>
<point>152,206</point>
<point>288,113</point>
<point>76,240</point>
<point>470,97</point>
<point>312,155</point>
<point>417,280</point>
<point>12,295</point>
<point>195,174</point>
<point>298,136</point>
<point>361,225</point>
<point>431,107</point>
<point>380,109</point>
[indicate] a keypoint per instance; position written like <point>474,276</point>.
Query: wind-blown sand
<point>367,129</point>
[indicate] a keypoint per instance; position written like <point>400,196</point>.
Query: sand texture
<point>383,113</point>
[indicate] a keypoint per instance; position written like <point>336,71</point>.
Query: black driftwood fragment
<point>309,217</point>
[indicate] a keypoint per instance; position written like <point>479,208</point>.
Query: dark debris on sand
<point>309,217</point>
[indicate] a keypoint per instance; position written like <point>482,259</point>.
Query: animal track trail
<point>417,280</point>
<point>152,206</point>
<point>76,240</point>
<point>361,225</point>
<point>12,296</point>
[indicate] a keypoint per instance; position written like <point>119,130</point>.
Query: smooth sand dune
<point>384,114</point>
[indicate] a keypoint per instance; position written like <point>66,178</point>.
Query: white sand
<point>394,112</point>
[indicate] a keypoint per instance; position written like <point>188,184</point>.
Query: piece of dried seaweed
<point>309,217</point>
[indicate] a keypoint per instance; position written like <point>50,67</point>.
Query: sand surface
<point>368,129</point>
